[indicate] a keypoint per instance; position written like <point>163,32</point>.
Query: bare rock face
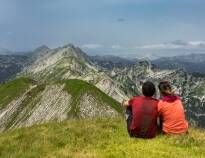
<point>90,108</point>
<point>109,87</point>
<point>7,113</point>
<point>53,105</point>
<point>50,104</point>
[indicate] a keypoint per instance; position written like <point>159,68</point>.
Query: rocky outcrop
<point>50,104</point>
<point>90,108</point>
<point>54,104</point>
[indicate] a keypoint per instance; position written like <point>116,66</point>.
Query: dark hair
<point>165,88</point>
<point>148,89</point>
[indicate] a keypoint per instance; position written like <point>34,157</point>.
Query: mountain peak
<point>70,45</point>
<point>72,50</point>
<point>41,48</point>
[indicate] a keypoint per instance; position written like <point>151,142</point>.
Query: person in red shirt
<point>141,113</point>
<point>171,111</point>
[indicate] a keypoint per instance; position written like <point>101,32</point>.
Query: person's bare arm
<point>125,103</point>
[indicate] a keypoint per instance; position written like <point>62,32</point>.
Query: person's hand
<point>125,103</point>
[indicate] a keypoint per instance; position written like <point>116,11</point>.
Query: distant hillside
<point>25,102</point>
<point>11,65</point>
<point>110,61</point>
<point>5,51</point>
<point>96,138</point>
<point>193,63</point>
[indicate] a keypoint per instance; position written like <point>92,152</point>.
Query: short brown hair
<point>165,88</point>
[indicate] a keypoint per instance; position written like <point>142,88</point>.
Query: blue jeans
<point>128,117</point>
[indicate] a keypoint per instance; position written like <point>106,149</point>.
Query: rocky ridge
<point>56,102</point>
<point>69,62</point>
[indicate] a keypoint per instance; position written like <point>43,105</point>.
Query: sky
<point>103,26</point>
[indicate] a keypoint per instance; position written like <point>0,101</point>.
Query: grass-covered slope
<point>12,90</point>
<point>78,88</point>
<point>25,103</point>
<point>98,138</point>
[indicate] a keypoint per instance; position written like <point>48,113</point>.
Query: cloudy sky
<point>102,26</point>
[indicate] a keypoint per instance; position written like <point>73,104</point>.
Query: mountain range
<point>64,83</point>
<point>192,63</point>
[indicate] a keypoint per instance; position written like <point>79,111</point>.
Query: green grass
<point>77,88</point>
<point>13,89</point>
<point>28,102</point>
<point>100,138</point>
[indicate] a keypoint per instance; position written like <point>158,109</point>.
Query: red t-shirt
<point>144,116</point>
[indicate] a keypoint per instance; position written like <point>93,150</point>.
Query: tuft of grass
<point>97,138</point>
<point>77,88</point>
<point>13,89</point>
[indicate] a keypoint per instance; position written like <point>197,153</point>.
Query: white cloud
<point>174,45</point>
<point>197,43</point>
<point>91,46</point>
<point>159,46</point>
<point>116,47</point>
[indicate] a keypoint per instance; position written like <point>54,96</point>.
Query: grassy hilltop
<point>100,138</point>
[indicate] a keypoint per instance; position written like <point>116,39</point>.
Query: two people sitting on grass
<point>142,112</point>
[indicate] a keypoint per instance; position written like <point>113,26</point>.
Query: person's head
<point>165,88</point>
<point>148,89</point>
